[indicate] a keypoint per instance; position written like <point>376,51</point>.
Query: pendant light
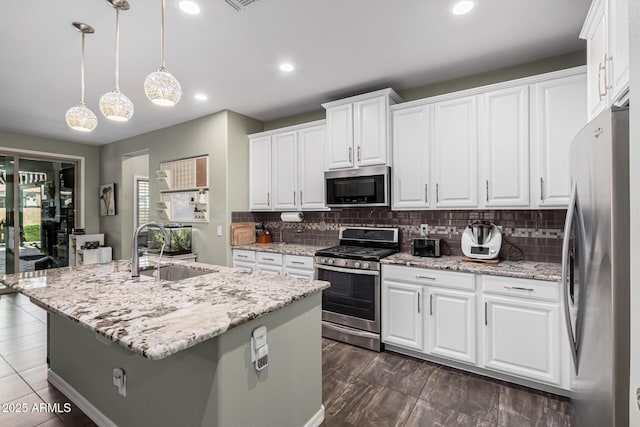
<point>115,105</point>
<point>81,118</point>
<point>160,86</point>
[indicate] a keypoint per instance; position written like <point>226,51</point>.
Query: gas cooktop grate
<point>239,4</point>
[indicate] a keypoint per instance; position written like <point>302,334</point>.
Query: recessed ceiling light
<point>462,7</point>
<point>201,97</point>
<point>189,7</point>
<point>286,67</point>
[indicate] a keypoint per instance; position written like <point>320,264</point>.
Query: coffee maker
<point>481,240</point>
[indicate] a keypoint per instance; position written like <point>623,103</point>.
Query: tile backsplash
<point>531,235</point>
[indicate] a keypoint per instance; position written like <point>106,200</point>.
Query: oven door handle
<point>348,270</point>
<point>347,330</point>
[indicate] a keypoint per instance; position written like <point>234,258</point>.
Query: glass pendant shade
<point>162,88</point>
<point>116,106</point>
<point>81,118</point>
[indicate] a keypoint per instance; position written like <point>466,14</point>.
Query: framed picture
<point>107,200</point>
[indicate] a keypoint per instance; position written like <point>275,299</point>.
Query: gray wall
<point>222,136</point>
<point>54,146</point>
<point>504,74</point>
<point>634,159</point>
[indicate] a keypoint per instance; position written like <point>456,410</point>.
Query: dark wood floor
<point>360,387</point>
<point>363,388</point>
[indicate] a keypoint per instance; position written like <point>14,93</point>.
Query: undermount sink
<point>173,273</point>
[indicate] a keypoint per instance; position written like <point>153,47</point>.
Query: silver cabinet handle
<point>300,197</point>
<point>437,195</point>
<point>518,288</point>
<point>358,153</point>
<point>607,85</point>
<point>419,295</point>
<point>297,262</point>
<point>242,256</point>
<point>350,154</point>
<point>602,67</point>
<point>268,199</point>
<point>486,184</point>
<point>426,193</point>
<point>485,315</point>
<point>431,305</point>
<point>425,277</point>
<point>541,189</point>
<point>597,132</point>
<point>294,197</point>
<point>268,259</point>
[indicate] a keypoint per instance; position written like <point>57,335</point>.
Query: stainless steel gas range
<point>351,306</point>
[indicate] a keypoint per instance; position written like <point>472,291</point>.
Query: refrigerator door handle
<point>565,275</point>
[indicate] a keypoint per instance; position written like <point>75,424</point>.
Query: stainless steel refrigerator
<point>595,273</point>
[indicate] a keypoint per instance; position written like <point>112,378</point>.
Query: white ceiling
<point>339,48</point>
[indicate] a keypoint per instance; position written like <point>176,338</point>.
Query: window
<point>142,200</point>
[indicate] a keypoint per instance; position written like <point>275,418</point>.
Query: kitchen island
<point>184,346</point>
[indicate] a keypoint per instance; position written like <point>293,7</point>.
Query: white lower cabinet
<point>504,325</point>
<point>274,263</point>
<point>522,338</point>
<point>452,324</point>
<point>402,314</point>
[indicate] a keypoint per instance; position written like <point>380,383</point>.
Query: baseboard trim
<point>317,419</point>
<point>83,404</point>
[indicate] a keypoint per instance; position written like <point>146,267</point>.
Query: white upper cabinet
<point>285,175</point>
<point>606,31</point>
<point>503,124</point>
<point>287,168</point>
<point>411,158</point>
<point>456,153</point>
<point>370,132</point>
<point>358,130</point>
<point>557,114</point>
<point>311,167</point>
<point>260,173</point>
<point>340,137</point>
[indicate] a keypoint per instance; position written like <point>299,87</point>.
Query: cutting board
<point>243,233</point>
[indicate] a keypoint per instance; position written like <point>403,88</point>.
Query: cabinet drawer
<point>299,262</point>
<point>244,256</point>
<point>423,276</point>
<point>522,288</point>
<point>269,258</point>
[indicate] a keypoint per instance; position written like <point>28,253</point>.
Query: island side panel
<point>211,384</point>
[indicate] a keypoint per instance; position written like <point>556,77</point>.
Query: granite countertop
<point>521,269</point>
<point>282,248</point>
<point>158,319</point>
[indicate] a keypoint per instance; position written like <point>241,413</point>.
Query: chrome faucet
<point>135,262</point>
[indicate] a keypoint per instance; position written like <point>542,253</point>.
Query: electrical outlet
<point>424,230</point>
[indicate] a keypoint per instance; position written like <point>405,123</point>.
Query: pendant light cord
<point>117,49</point>
<point>162,39</point>
<point>82,72</point>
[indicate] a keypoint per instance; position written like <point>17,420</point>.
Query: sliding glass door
<point>38,200</point>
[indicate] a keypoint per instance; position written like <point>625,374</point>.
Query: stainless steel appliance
<point>358,187</point>
<point>481,240</point>
<point>595,271</point>
<point>425,247</point>
<point>351,306</point>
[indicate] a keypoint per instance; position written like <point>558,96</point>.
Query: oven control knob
<point>356,264</point>
<point>345,262</point>
<point>366,265</point>
<point>323,261</point>
<point>330,261</point>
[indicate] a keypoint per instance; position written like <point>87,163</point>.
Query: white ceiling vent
<point>239,4</point>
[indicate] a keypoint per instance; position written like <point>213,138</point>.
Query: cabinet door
<point>340,137</point>
<point>301,274</point>
<point>452,324</point>
<point>619,47</point>
<point>370,132</point>
<point>402,318</point>
<point>522,338</point>
<point>311,143</point>
<point>595,32</point>
<point>504,148</point>
<point>260,173</point>
<point>558,113</point>
<point>249,267</point>
<point>269,269</point>
<point>284,163</point>
<point>411,158</point>
<point>455,149</point>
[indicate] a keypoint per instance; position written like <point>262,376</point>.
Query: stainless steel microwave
<point>360,187</point>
